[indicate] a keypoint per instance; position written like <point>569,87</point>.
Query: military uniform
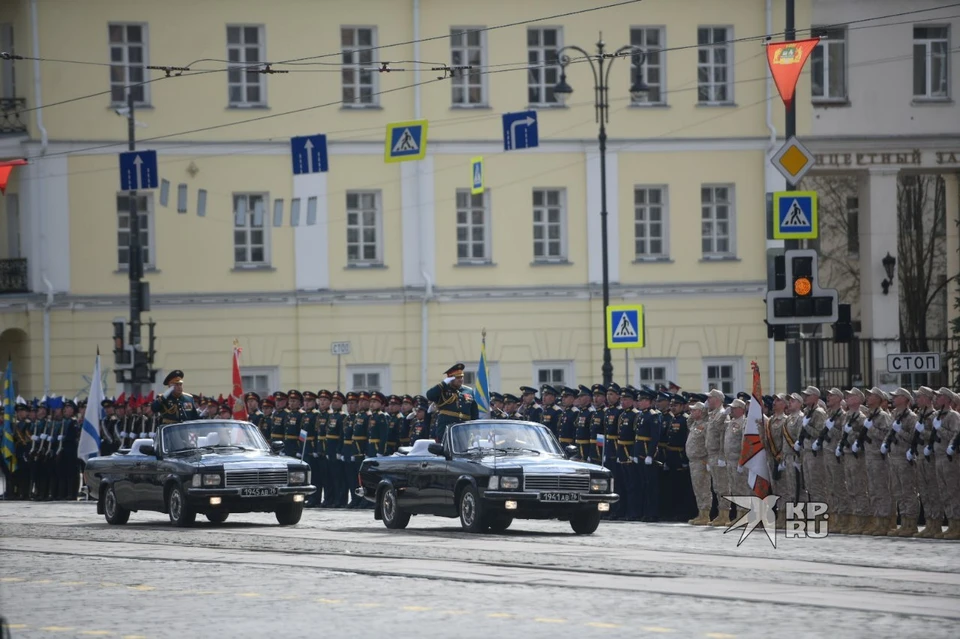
<point>626,441</point>
<point>716,427</point>
<point>530,410</point>
<point>648,427</point>
<point>833,466</point>
<point>550,413</point>
<point>309,425</point>
<point>924,469</point>
<point>333,444</point>
<point>586,445</point>
<point>278,424</point>
<point>814,471</point>
<point>676,467</point>
<point>876,427</point>
<point>348,450</point>
<point>946,428</point>
<point>378,427</point>
<point>174,407</point>
<point>903,479</point>
<point>609,450</point>
<point>68,471</point>
<point>732,447</point>
<point>696,450</point>
<point>567,421</point>
<point>455,403</point>
<point>854,466</point>
<point>294,442</point>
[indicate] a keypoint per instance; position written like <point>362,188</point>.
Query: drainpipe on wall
<point>39,190</point>
<point>46,335</point>
<point>427,282</point>
<point>771,148</point>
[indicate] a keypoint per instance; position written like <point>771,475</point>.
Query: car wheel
<point>585,523</point>
<point>500,524</point>
<point>289,514</point>
<point>181,514</point>
<point>217,517</point>
<point>114,513</point>
<point>393,517</point>
<point>471,515</point>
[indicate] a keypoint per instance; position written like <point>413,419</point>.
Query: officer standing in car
<point>175,406</point>
<point>454,403</point>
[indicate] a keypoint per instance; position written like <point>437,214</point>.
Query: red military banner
<point>239,406</point>
<point>786,60</point>
<point>6,168</point>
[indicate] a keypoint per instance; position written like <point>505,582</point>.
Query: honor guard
<point>419,428</point>
<point>511,406</point>
<point>678,492</point>
<point>396,421</point>
<point>566,424</point>
<point>854,465</point>
<point>596,423</point>
<point>496,407</point>
<point>827,441</point>
<point>647,433</point>
<point>626,444</point>
<point>406,419</point>
<point>175,406</point>
<point>278,416</point>
<point>293,445</point>
<point>318,461</point>
<point>310,432</point>
<point>925,469</point>
<point>20,478</point>
<point>361,437</point>
<point>251,402</point>
<point>946,428</point>
<point>900,458</point>
<point>378,426</point>
<point>455,402</point>
<point>69,472</point>
<point>530,410</point>
<point>584,406</point>
<point>334,445</point>
<point>550,416</point>
<point>266,423</point>
<point>611,420</point>
<point>349,448</point>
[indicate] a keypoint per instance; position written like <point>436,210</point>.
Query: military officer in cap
<point>924,468</point>
<point>595,423</point>
<point>252,403</point>
<point>903,479</point>
<point>550,416</point>
<point>511,406</point>
<point>626,444</point>
<point>675,477</point>
<point>278,417</point>
<point>455,402</point>
<point>496,406</point>
<point>582,432</point>
<point>716,465</point>
<point>854,466</point>
<point>266,424</point>
<point>308,425</point>
<point>812,422</point>
<point>292,417</point>
<point>349,449</point>
<point>396,421</point>
<point>647,434</point>
<point>608,449</point>
<point>175,406</point>
<point>696,450</point>
<point>567,423</point>
<point>22,444</point>
<point>319,463</point>
<point>946,427</point>
<point>333,444</point>
<point>827,441</point>
<point>876,426</point>
<point>530,410</point>
<point>378,427</point>
<point>419,428</point>
<point>108,428</point>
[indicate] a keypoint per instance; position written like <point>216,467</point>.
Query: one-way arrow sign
<point>138,170</point>
<point>309,154</point>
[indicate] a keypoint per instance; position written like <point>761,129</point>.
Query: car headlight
<point>195,482</point>
<point>211,480</point>
<point>599,485</point>
<point>298,477</point>
<point>509,483</point>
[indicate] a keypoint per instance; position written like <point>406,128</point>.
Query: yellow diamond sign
<point>793,160</point>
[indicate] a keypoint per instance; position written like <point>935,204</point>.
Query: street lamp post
<point>600,63</point>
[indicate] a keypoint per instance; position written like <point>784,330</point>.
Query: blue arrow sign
<point>309,154</point>
<point>520,130</point>
<point>138,170</point>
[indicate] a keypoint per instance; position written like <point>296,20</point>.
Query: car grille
<point>578,483</point>
<point>256,478</point>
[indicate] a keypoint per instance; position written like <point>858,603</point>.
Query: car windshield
<point>503,437</point>
<point>212,434</point>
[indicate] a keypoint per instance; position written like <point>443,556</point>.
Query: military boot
<point>866,524</point>
<point>702,518</point>
<point>854,525</point>
<point>953,530</point>
<point>908,528</point>
<point>930,530</point>
<point>877,527</point>
<point>722,519</point>
<point>892,529</point>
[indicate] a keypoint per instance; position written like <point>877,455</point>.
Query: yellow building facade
<point>399,259</point>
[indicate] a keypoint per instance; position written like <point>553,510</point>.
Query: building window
<point>714,70</point>
<point>650,222</point>
<point>359,79</point>
<point>467,48</point>
<point>493,375</point>
<point>554,373</point>
<point>542,47</point>
<point>145,213</point>
<point>853,226</point>
<point>363,228</point>
<point>828,73</point>
<point>655,372</point>
<point>549,225</point>
<point>128,63</point>
<point>369,378</point>
<point>717,217</point>
<point>723,374</point>
<point>473,227</point>
<point>245,53</point>
<point>260,380</point>
<point>931,55</point>
<point>250,241</point>
<point>651,41</point>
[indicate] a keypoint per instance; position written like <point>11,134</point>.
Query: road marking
<point>288,597</point>
<point>108,584</point>
<point>42,581</point>
<point>10,580</point>
<point>133,637</point>
<point>73,583</point>
<point>248,594</point>
<point>416,608</point>
<point>548,620</point>
<point>720,635</point>
<point>600,624</point>
<point>17,626</point>
<point>142,588</point>
<point>57,628</point>
<point>499,615</point>
<point>201,592</point>
<point>329,601</point>
<point>96,633</point>
<point>659,629</point>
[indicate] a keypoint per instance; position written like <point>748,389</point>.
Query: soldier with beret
<point>175,406</point>
<point>455,402</point>
<point>530,410</point>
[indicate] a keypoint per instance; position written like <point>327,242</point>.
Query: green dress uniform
<point>454,404</point>
<point>333,444</point>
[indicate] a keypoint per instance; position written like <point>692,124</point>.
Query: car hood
<point>235,460</point>
<point>534,465</point>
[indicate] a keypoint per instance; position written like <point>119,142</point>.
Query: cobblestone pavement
<point>65,573</point>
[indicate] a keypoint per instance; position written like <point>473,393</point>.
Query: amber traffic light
<point>798,298</point>
<point>802,286</point>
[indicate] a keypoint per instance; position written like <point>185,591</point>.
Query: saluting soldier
<point>511,407</point>
<point>175,406</point>
<point>333,443</point>
<point>648,427</point>
<point>496,406</point>
<point>455,402</point>
<point>530,410</point>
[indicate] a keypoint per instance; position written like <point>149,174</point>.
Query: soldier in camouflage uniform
<point>696,449</point>
<point>946,428</point>
<point>854,466</point>
<point>716,427</point>
<point>903,479</point>
<point>876,426</point>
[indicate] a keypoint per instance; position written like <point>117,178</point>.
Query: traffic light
<point>797,297</point>
<point>843,329</point>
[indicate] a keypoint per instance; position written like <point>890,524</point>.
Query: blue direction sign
<point>138,170</point>
<point>309,154</point>
<point>520,130</point>
<point>625,326</point>
<point>795,215</point>
<point>476,173</point>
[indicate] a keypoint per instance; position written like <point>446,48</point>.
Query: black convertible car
<point>488,473</point>
<point>202,467</point>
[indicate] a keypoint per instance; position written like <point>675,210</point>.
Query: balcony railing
<point>10,110</point>
<point>13,276</point>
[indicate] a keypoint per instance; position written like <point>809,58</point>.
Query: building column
<point>311,257</point>
<point>953,243</point>
<point>879,313</point>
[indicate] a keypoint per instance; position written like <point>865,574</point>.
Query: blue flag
<point>7,450</point>
<point>483,381</point>
<point>90,435</point>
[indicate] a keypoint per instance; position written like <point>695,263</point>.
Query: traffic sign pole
<point>135,257</point>
<point>793,330</point>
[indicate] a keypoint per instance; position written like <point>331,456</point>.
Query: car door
<point>147,488</point>
<point>121,478</point>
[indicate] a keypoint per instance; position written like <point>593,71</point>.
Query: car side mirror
<point>571,451</point>
<point>276,446</point>
<point>149,449</point>
<point>436,449</point>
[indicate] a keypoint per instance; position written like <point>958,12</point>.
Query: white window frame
<point>272,373</point>
<point>469,226</point>
<point>151,235</point>
<point>462,80</point>
<point>668,364</point>
<point>834,45</point>
<point>125,63</point>
<point>731,251</point>
<point>927,43</point>
<point>711,85</point>
<point>245,80</point>
<point>545,258</point>
<point>493,374</point>
<point>568,367</point>
<point>543,87</point>
<point>360,261</point>
<point>737,379</point>
<point>661,65</point>
<point>664,205</point>
<point>359,67</point>
<point>366,369</point>
<point>249,228</point>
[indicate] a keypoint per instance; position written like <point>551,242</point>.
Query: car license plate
<point>258,491</point>
<point>559,497</point>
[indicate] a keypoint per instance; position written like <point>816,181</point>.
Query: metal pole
<point>135,269</point>
<point>601,102</point>
<point>792,331</point>
<point>338,372</point>
<point>626,365</point>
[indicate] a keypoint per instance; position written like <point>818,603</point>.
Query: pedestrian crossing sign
<point>625,326</point>
<point>406,141</point>
<point>476,170</point>
<point>795,215</point>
